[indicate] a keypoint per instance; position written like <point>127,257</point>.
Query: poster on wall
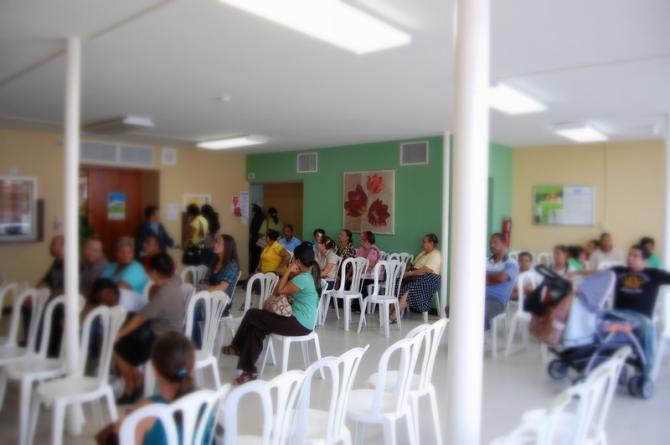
<point>18,210</point>
<point>564,205</point>
<point>116,206</point>
<point>244,205</point>
<point>369,201</point>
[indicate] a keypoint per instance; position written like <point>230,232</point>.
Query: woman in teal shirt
<point>302,282</point>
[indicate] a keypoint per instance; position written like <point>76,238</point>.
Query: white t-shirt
<point>598,256</point>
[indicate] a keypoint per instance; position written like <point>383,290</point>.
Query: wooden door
<point>115,204</point>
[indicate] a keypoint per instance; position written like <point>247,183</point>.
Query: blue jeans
<point>645,333</point>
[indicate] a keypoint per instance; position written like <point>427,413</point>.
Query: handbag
<point>279,305</point>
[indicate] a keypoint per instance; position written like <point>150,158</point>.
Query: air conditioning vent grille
<point>308,163</point>
<point>96,152</point>
<point>93,151</point>
<point>136,155</point>
<point>414,153</point>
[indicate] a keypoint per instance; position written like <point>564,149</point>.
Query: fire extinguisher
<point>507,230</point>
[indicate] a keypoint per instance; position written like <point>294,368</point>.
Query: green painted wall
<point>418,188</point>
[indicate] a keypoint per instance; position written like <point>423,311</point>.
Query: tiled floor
<point>510,387</point>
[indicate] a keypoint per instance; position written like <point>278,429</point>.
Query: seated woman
<point>370,251</point>
<point>423,279</point>
<point>327,259</point>
<point>126,272</point>
<point>172,358</point>
<point>164,313</point>
<point>345,247</point>
<point>274,258</point>
<point>150,247</point>
<point>560,264</point>
<point>302,281</point>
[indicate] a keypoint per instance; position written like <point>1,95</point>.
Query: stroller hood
<point>596,289</point>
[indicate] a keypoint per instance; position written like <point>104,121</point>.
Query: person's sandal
<point>230,350</point>
<point>245,377</point>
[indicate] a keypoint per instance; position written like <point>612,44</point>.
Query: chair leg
<point>425,317</point>
<point>34,414</point>
<point>268,345</point>
<point>436,419</point>
<point>390,433</point>
<point>24,409</point>
<point>317,348</point>
<point>305,353</point>
<point>494,338</point>
<point>215,373</point>
<point>149,380</point>
<point>385,319</point>
<point>3,387</point>
<point>397,311</point>
<point>361,319</point>
<point>412,428</point>
<point>337,307</point>
<point>347,313</point>
<point>510,336</point>
<point>58,423</point>
<point>286,348</point>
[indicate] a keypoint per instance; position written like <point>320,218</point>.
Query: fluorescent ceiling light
<point>580,133</point>
<point>508,100</point>
<point>236,142</point>
<point>332,21</point>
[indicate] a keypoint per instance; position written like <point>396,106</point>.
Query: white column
<point>470,167</point>
<point>446,200</point>
<point>72,105</point>
<point>666,222</point>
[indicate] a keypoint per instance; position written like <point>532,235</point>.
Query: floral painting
<point>369,201</point>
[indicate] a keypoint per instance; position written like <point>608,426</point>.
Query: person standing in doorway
<point>152,225</point>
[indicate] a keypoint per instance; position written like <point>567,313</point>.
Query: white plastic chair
<point>393,278</point>
<point>214,304</point>
<point>520,318</point>
<point>383,256</point>
<point>326,427</point>
<point>187,291</point>
<point>381,406</point>
<point>321,308</point>
<point>514,254</point>
<point>404,257</point>
<point>35,368</point>
<point>195,412</point>
<point>78,388</point>
<point>266,283</point>
<point>545,258</point>
<point>337,271</point>
<point>201,272</point>
<point>9,291</point>
<point>421,384</point>
<point>346,294</point>
<point>287,341</point>
<point>10,351</point>
<point>189,274</point>
<point>278,398</point>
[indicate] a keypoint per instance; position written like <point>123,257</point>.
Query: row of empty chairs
<point>291,412</point>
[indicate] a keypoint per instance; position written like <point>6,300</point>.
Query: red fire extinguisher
<point>507,230</point>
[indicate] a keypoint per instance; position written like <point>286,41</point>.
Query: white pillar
<point>470,159</point>
<point>72,123</point>
<point>666,221</point>
<point>446,200</point>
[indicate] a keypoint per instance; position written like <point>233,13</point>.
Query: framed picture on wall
<point>19,220</point>
<point>564,205</point>
<point>369,201</point>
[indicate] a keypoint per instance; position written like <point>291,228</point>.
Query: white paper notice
<point>578,205</point>
<point>244,205</point>
<point>172,211</point>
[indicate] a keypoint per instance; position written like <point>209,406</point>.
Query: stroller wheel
<point>557,369</point>
<point>646,388</point>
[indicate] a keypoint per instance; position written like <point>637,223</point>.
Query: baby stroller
<point>580,332</point>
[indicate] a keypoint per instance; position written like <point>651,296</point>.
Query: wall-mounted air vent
<point>308,163</point>
<point>414,153</point>
<point>108,153</point>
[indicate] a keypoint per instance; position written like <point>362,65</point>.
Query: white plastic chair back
<point>266,283</point>
<point>201,272</point>
<point>514,254</point>
<point>605,265</point>
<point>432,339</point>
<point>383,256</point>
<point>357,267</point>
<point>8,292</point>
<point>187,291</point>
<point>338,265</point>
<point>38,299</point>
<point>110,320</point>
<point>195,411</point>
<point>43,347</point>
<point>395,269</point>
<point>545,258</point>
<point>408,349</point>
<point>214,303</point>
<point>189,274</point>
<point>278,398</point>
<point>340,373</point>
<point>405,257</point>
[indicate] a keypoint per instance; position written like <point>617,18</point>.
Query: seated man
<point>289,241</point>
<point>501,272</point>
<point>606,253</point>
<point>525,265</point>
<point>635,296</point>
<point>53,279</point>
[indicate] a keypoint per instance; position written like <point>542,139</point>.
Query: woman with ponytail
<point>172,359</point>
<point>301,283</point>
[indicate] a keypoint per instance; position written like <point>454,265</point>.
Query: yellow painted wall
<point>628,179</point>
<point>39,154</point>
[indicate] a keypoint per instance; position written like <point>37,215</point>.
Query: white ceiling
<point>602,61</point>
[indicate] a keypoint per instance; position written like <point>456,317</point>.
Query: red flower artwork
<point>378,214</point>
<point>357,202</point>
<point>375,184</point>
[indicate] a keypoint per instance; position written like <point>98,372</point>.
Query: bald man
<point>54,278</point>
<point>92,266</point>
